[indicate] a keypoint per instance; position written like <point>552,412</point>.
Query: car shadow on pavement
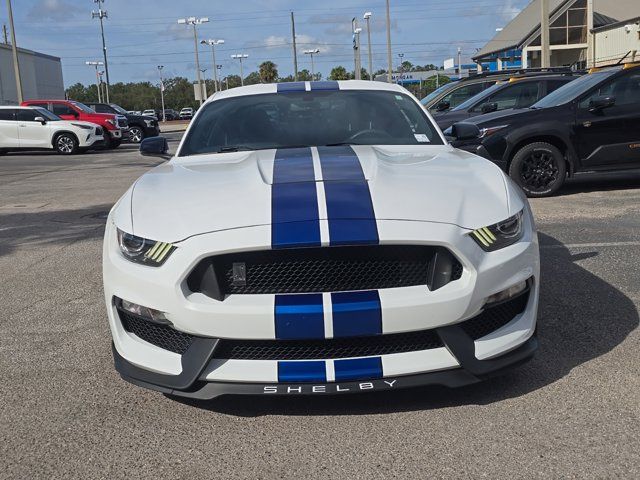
<point>580,318</point>
<point>50,227</point>
<point>601,182</point>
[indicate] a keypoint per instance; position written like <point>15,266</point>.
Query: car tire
<point>65,144</point>
<point>136,134</point>
<point>539,168</point>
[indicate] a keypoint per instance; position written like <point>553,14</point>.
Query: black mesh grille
<point>159,335</point>
<point>330,348</point>
<point>491,319</point>
<point>327,269</point>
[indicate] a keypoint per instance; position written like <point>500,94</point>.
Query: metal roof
<point>527,21</point>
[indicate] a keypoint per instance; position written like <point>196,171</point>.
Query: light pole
<point>100,90</point>
<point>239,56</point>
<point>14,48</point>
<point>356,47</point>
<point>367,17</point>
<point>164,115</point>
<point>219,75</point>
<point>213,44</point>
<point>389,59</point>
<point>96,65</point>
<point>100,14</point>
<point>401,55</point>
<point>196,21</point>
<point>312,53</point>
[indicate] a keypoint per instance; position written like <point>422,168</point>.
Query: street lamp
<point>401,55</point>
<point>193,21</point>
<point>239,56</point>
<point>213,44</point>
<point>96,65</point>
<point>101,91</point>
<point>367,17</point>
<point>100,14</point>
<point>356,46</point>
<point>164,115</point>
<point>312,53</point>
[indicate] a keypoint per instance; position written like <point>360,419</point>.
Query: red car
<point>112,124</point>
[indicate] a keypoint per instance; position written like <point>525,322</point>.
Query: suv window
<point>62,109</point>
<point>463,93</point>
<point>7,114</point>
<point>41,105</point>
<point>625,89</point>
<point>517,95</point>
<point>102,108</point>
<point>553,85</point>
<point>28,115</point>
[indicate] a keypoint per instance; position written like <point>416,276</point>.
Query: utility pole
<point>401,69</point>
<point>102,14</point>
<point>545,54</point>
<point>389,59</point>
<point>164,115</point>
<point>312,53</point>
<point>591,37</point>
<point>14,49</point>
<point>100,84</point>
<point>239,56</point>
<point>367,17</point>
<point>193,21</point>
<point>213,44</point>
<point>5,35</point>
<point>96,65</point>
<point>459,63</point>
<point>295,52</point>
<point>356,48</point>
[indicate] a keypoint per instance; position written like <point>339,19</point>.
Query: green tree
<point>406,66</point>
<point>268,72</point>
<point>339,73</point>
<point>252,78</point>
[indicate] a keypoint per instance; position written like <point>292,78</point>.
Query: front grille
<point>329,348</point>
<point>493,318</point>
<point>161,336</point>
<point>99,131</point>
<point>326,269</point>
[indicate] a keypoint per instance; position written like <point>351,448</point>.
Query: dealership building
<point>576,38</point>
<point>41,75</point>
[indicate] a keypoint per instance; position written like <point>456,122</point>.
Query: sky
<point>142,34</point>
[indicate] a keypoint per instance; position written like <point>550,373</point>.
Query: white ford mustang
<point>318,238</point>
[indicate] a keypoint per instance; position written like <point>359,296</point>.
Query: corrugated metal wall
<point>611,45</point>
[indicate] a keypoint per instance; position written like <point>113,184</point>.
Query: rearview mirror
<point>600,103</point>
<point>489,107</point>
<point>41,120</point>
<point>465,131</point>
<point>154,147</point>
<point>442,106</point>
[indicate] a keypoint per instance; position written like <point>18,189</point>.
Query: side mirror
<point>600,103</point>
<point>154,147</point>
<point>442,106</point>
<point>41,120</point>
<point>489,107</point>
<point>465,131</point>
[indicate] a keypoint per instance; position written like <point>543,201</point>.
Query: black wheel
<point>66,144</point>
<point>539,168</point>
<point>136,134</point>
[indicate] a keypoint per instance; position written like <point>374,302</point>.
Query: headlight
<point>111,122</point>
<point>143,250</point>
<point>486,132</point>
<point>499,235</point>
<point>84,127</point>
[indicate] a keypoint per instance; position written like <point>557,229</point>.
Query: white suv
<point>35,128</point>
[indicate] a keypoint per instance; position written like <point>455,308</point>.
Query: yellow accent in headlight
<point>159,251</point>
<point>491,236</point>
<point>482,238</point>
<point>163,252</point>
<point>153,250</point>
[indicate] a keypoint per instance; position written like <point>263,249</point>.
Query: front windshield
<point>572,90</point>
<point>83,107</point>
<point>473,100</point>
<point>47,114</point>
<point>118,108</point>
<point>315,118</point>
<point>437,92</point>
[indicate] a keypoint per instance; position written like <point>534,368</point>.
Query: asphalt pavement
<point>572,412</point>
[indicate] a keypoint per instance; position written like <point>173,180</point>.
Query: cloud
<point>54,10</point>
<point>509,11</point>
<point>341,25</point>
<point>303,42</point>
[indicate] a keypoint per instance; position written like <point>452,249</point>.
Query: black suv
<point>140,127</point>
<point>591,124</point>
<point>517,92</point>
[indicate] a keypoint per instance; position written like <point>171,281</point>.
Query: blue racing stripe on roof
<point>299,316</point>
<point>356,313</point>
<point>325,85</point>
<point>294,200</point>
<point>303,371</point>
<point>290,87</point>
<point>349,207</point>
<point>358,368</point>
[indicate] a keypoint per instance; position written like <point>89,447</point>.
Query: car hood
<point>445,120</point>
<point>206,193</point>
<point>498,116</point>
<point>99,116</point>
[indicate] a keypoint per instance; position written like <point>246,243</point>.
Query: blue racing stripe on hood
<point>303,371</point>
<point>324,85</point>
<point>350,212</point>
<point>290,87</point>
<point>299,316</point>
<point>294,200</point>
<point>358,368</point>
<point>356,313</point>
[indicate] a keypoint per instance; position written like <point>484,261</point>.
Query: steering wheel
<point>362,133</point>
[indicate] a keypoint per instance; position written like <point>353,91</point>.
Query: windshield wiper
<point>234,148</point>
<point>341,144</point>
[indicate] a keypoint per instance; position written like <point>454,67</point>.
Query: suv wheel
<point>66,144</point>
<point>539,168</point>
<point>136,134</point>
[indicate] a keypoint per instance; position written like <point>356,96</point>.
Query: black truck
<point>140,127</point>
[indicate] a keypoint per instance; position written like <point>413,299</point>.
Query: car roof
<point>14,107</point>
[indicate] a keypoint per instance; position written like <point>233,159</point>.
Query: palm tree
<point>268,72</point>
